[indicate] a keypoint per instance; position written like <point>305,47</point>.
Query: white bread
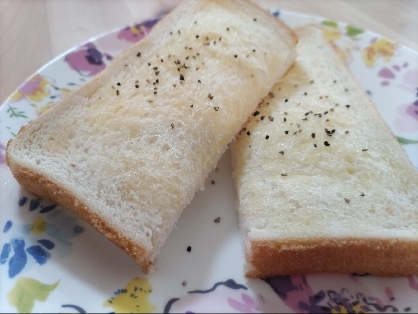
<point>128,150</point>
<point>350,207</point>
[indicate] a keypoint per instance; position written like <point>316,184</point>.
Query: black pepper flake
<point>210,96</point>
<point>235,56</point>
<point>255,20</point>
<point>189,249</point>
<point>281,152</point>
<point>172,125</point>
<point>286,132</point>
<point>162,60</point>
<point>326,112</point>
<point>284,174</point>
<point>315,145</point>
<point>191,106</point>
<point>312,81</point>
<point>171,33</point>
<point>267,137</point>
<point>117,92</point>
<point>197,36</point>
<point>256,113</point>
<point>326,143</point>
<point>155,68</point>
<point>345,89</point>
<point>294,133</point>
<point>271,94</point>
<point>335,81</point>
<point>155,93</point>
<point>262,118</point>
<point>174,85</point>
<point>364,149</point>
<point>304,119</point>
<point>217,219</point>
<point>184,282</point>
<point>271,118</point>
<point>136,86</point>
<point>178,32</point>
<point>248,133</point>
<point>284,119</point>
<point>118,84</point>
<point>138,54</point>
<point>157,81</point>
<point>313,135</point>
<point>307,113</point>
<point>157,72</point>
<point>216,108</point>
<point>286,100</point>
<point>347,106</point>
<point>181,77</point>
<point>362,194</point>
<point>212,182</point>
<point>227,29</point>
<point>306,94</point>
<point>187,58</point>
<point>347,200</point>
<point>346,132</point>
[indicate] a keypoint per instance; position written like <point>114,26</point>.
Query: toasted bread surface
<point>323,185</point>
<point>128,150</point>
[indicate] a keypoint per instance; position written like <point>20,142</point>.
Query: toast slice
<point>128,150</point>
<point>323,185</point>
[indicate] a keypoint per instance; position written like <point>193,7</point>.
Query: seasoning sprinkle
<point>286,132</point>
<point>347,200</point>
<point>227,29</point>
<point>262,118</point>
<point>210,96</point>
<point>248,133</point>
<point>212,182</point>
<point>315,145</point>
<point>172,125</point>
<point>181,77</point>
<point>189,249</point>
<point>138,54</point>
<point>184,282</point>
<point>326,143</point>
<point>217,219</point>
<point>235,56</point>
<point>364,149</point>
<point>284,119</point>
<point>256,113</point>
<point>306,94</point>
<point>197,36</point>
<point>347,106</point>
<point>117,92</point>
<point>267,137</point>
<point>136,86</point>
<point>255,20</point>
<point>216,108</point>
<point>362,194</point>
<point>286,100</point>
<point>118,84</point>
<point>191,106</point>
<point>199,81</point>
<point>346,132</point>
<point>284,174</point>
<point>281,152</point>
<point>313,135</point>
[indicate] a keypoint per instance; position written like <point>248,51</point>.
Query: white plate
<point>52,261</point>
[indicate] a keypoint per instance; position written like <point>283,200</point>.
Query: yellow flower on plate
<point>382,47</point>
<point>35,89</point>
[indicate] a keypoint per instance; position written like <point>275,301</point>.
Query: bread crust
<point>381,257</point>
<point>38,184</point>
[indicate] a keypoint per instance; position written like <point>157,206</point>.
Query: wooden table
<point>32,32</point>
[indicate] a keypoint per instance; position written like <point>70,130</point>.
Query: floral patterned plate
<point>51,261</point>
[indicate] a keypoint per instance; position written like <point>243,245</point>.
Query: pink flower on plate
<point>407,119</point>
<point>248,304</point>
<point>34,89</point>
<point>87,60</point>
<point>136,32</point>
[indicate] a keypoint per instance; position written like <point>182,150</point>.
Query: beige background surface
<point>32,32</point>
